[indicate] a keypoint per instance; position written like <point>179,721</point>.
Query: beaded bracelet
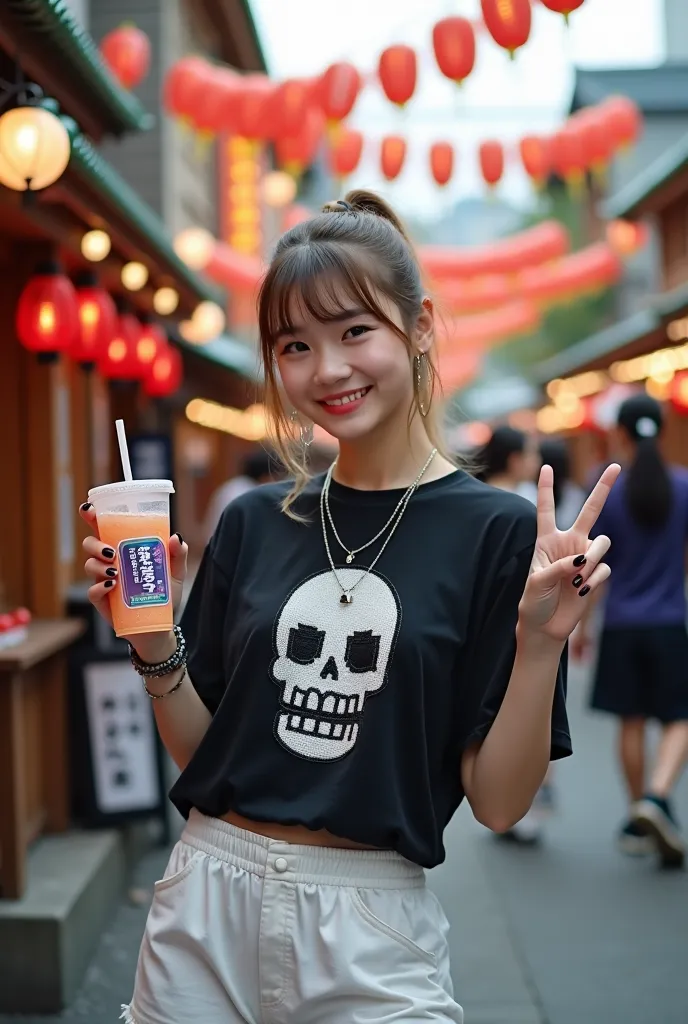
<point>159,696</point>
<point>162,668</point>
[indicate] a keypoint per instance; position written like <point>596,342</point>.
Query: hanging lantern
<point>97,321</point>
<point>290,105</point>
<point>181,85</point>
<point>568,155</point>
<point>442,161</point>
<point>206,324</point>
<point>151,342</point>
<point>491,156</point>
<point>536,158</point>
<point>165,300</point>
<point>586,271</point>
<point>678,393</point>
<point>213,100</point>
<point>255,108</point>
<point>345,152</point>
<point>531,247</point>
<point>398,72</point>
<point>278,189</point>
<point>595,140</point>
<point>627,237</point>
<point>562,6</point>
<point>120,360</point>
<point>164,376</point>
<point>453,40</point>
<point>127,52</point>
<point>34,148</point>
<point>622,119</point>
<point>96,245</point>
<point>297,152</point>
<point>392,156</point>
<point>47,317</point>
<point>508,22</point>
<point>337,90</point>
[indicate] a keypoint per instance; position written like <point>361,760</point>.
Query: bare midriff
<point>299,835</point>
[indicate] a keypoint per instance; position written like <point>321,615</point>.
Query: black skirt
<point>643,673</point>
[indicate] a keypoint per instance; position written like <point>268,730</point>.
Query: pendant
<point>350,558</point>
<point>346,598</point>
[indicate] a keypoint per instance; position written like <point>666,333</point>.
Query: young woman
<point>364,649</point>
<point>510,461</point>
<point>642,668</point>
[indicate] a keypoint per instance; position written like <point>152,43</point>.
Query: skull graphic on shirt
<point>331,657</point>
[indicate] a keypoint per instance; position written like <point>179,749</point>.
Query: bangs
<point>315,281</point>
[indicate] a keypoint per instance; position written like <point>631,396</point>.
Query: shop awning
<point>229,353</point>
<point>594,352</point>
<point>55,51</point>
<point>638,196</point>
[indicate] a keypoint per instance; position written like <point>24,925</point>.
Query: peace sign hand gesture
<point>566,564</point>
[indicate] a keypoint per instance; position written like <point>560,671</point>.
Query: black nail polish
<point>181,539</point>
<point>109,583</point>
<point>579,560</point>
<point>108,553</point>
<point>583,591</point>
<point>577,580</point>
<point>86,506</point>
<point>111,572</point>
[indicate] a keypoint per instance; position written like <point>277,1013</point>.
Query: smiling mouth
<point>352,396</point>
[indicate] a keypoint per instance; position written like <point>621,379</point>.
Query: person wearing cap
<point>642,664</point>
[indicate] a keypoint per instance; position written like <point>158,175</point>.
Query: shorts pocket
<point>391,903</point>
<point>182,862</point>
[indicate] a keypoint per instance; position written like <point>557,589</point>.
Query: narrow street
<point>560,934</point>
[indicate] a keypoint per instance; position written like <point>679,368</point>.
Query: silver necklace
<point>392,523</point>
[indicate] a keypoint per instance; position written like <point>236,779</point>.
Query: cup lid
<point>132,486</point>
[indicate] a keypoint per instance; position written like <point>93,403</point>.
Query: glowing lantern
<point>595,140</point>
<point>127,52</point>
<point>491,156</point>
<point>120,360</point>
<point>508,22</point>
<point>392,156</point>
<point>345,152</point>
<point>206,324</point>
<point>164,376</point>
<point>34,148</point>
<point>678,393</point>
<point>181,85</point>
<point>623,120</point>
<point>337,90</point>
<point>626,237</point>
<point>151,342</point>
<point>278,189</point>
<point>97,321</point>
<point>297,152</point>
<point>255,108</point>
<point>563,6</point>
<point>398,72</point>
<point>195,246</point>
<point>453,40</point>
<point>165,300</point>
<point>568,155</point>
<point>214,99</point>
<point>47,318</point>
<point>442,161</point>
<point>533,246</point>
<point>290,106</point>
<point>96,245</point>
<point>535,157</point>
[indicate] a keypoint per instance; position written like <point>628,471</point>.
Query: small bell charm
<point>346,598</point>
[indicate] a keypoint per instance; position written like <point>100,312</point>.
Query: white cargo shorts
<point>248,930</point>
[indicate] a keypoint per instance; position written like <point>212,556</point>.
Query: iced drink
<point>134,519</point>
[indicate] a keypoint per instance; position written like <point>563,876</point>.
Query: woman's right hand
<point>100,566</point>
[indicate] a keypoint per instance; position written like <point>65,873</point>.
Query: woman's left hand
<point>566,564</point>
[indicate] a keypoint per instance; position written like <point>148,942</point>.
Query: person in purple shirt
<point>642,666</point>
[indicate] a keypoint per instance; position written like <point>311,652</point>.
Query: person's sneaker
<point>654,817</point>
<point>526,831</point>
<point>632,841</point>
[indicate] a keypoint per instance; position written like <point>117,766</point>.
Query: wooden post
<point>12,790</point>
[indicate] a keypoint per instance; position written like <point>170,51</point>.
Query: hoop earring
<point>421,373</point>
<point>305,433</point>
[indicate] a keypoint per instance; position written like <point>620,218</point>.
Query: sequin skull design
<point>330,658</point>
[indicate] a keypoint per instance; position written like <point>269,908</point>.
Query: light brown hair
<point>358,245</point>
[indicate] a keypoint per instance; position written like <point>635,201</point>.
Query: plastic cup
<point>134,518</point>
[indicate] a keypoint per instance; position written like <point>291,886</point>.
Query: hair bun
<point>363,201</point>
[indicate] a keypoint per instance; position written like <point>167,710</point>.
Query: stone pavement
<point>567,933</point>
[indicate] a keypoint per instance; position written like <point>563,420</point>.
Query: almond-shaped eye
<point>294,346</point>
<point>357,331</point>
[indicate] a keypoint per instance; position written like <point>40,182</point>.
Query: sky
<point>501,99</point>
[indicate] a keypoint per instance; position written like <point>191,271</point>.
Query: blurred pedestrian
<point>642,665</point>
<point>568,496</point>
<point>259,467</point>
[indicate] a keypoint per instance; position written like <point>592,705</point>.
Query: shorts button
<point>281,864</point>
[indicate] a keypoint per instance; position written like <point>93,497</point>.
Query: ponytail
<point>649,491</point>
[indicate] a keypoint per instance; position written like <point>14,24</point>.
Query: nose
<point>332,367</point>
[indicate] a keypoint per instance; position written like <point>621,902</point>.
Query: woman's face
<point>351,374</point>
<point>525,465</point>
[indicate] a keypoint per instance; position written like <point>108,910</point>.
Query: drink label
<point>143,572</point>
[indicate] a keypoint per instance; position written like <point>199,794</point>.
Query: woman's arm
<point>502,774</point>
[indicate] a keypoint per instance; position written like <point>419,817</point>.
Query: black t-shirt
<point>353,717</point>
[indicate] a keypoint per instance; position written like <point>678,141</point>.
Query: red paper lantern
<point>588,270</point>
<point>491,156</point>
<point>120,360</point>
<point>337,90</point>
<point>234,270</point>
<point>678,393</point>
<point>296,153</point>
<point>214,100</point>
<point>182,84</point>
<point>345,152</point>
<point>626,237</point>
<point>562,6</point>
<point>392,156</point>
<point>536,158</point>
<point>164,376</point>
<point>568,154</point>
<point>442,161</point>
<point>255,108</point>
<point>47,319</point>
<point>453,40</point>
<point>622,119</point>
<point>97,321</point>
<point>508,22</point>
<point>474,294</point>
<point>595,140</point>
<point>291,102</point>
<point>546,241</point>
<point>398,71</point>
<point>127,52</point>
<point>151,342</point>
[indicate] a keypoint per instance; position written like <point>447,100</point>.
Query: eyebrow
<point>344,314</point>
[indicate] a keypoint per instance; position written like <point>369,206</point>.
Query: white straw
<point>123,449</point>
